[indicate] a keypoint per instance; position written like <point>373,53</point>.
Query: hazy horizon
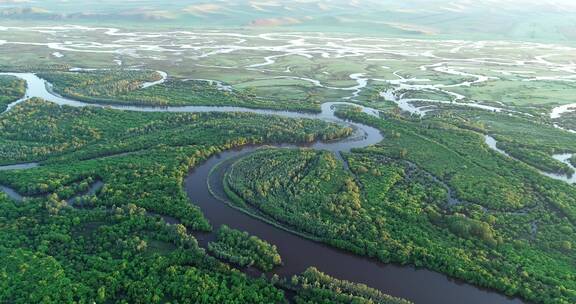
<point>537,21</point>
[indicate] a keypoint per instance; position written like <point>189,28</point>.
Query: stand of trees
<point>511,229</point>
<point>11,89</point>
<point>141,157</point>
<point>112,250</point>
<point>244,250</point>
<point>567,120</point>
<point>313,286</point>
<point>124,87</point>
<point>118,255</point>
<point>98,85</point>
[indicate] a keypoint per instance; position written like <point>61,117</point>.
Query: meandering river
<point>298,253</point>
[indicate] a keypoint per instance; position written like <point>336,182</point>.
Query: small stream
<point>9,191</point>
<point>564,158</point>
<point>19,166</point>
<point>12,193</point>
<point>73,201</point>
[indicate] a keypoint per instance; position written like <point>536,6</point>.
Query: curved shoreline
<point>419,285</point>
<point>220,166</point>
<point>299,252</point>
<point>564,158</point>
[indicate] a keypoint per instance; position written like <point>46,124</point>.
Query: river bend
<point>298,253</point>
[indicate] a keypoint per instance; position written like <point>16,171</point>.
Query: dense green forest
<point>36,129</point>
<point>389,207</point>
<point>480,175</point>
<point>120,147</point>
<point>112,249</point>
<point>244,250</point>
<point>11,89</point>
<point>123,255</point>
<point>124,87</point>
<point>528,139</point>
<point>119,255</point>
<point>431,194</point>
<point>537,159</point>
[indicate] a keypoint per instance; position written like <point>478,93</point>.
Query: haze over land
<point>529,20</point>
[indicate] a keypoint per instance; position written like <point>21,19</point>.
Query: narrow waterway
<point>76,200</point>
<point>564,158</point>
<point>19,166</point>
<point>11,193</point>
<point>298,253</point>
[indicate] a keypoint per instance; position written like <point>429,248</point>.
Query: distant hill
<point>528,20</point>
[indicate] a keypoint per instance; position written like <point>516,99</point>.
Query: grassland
<point>433,19</point>
<point>266,70</point>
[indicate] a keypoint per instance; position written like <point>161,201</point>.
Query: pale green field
<point>518,20</point>
<point>281,66</point>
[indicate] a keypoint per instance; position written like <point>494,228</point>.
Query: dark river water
<point>298,253</point>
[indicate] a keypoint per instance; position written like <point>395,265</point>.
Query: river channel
<point>298,253</point>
